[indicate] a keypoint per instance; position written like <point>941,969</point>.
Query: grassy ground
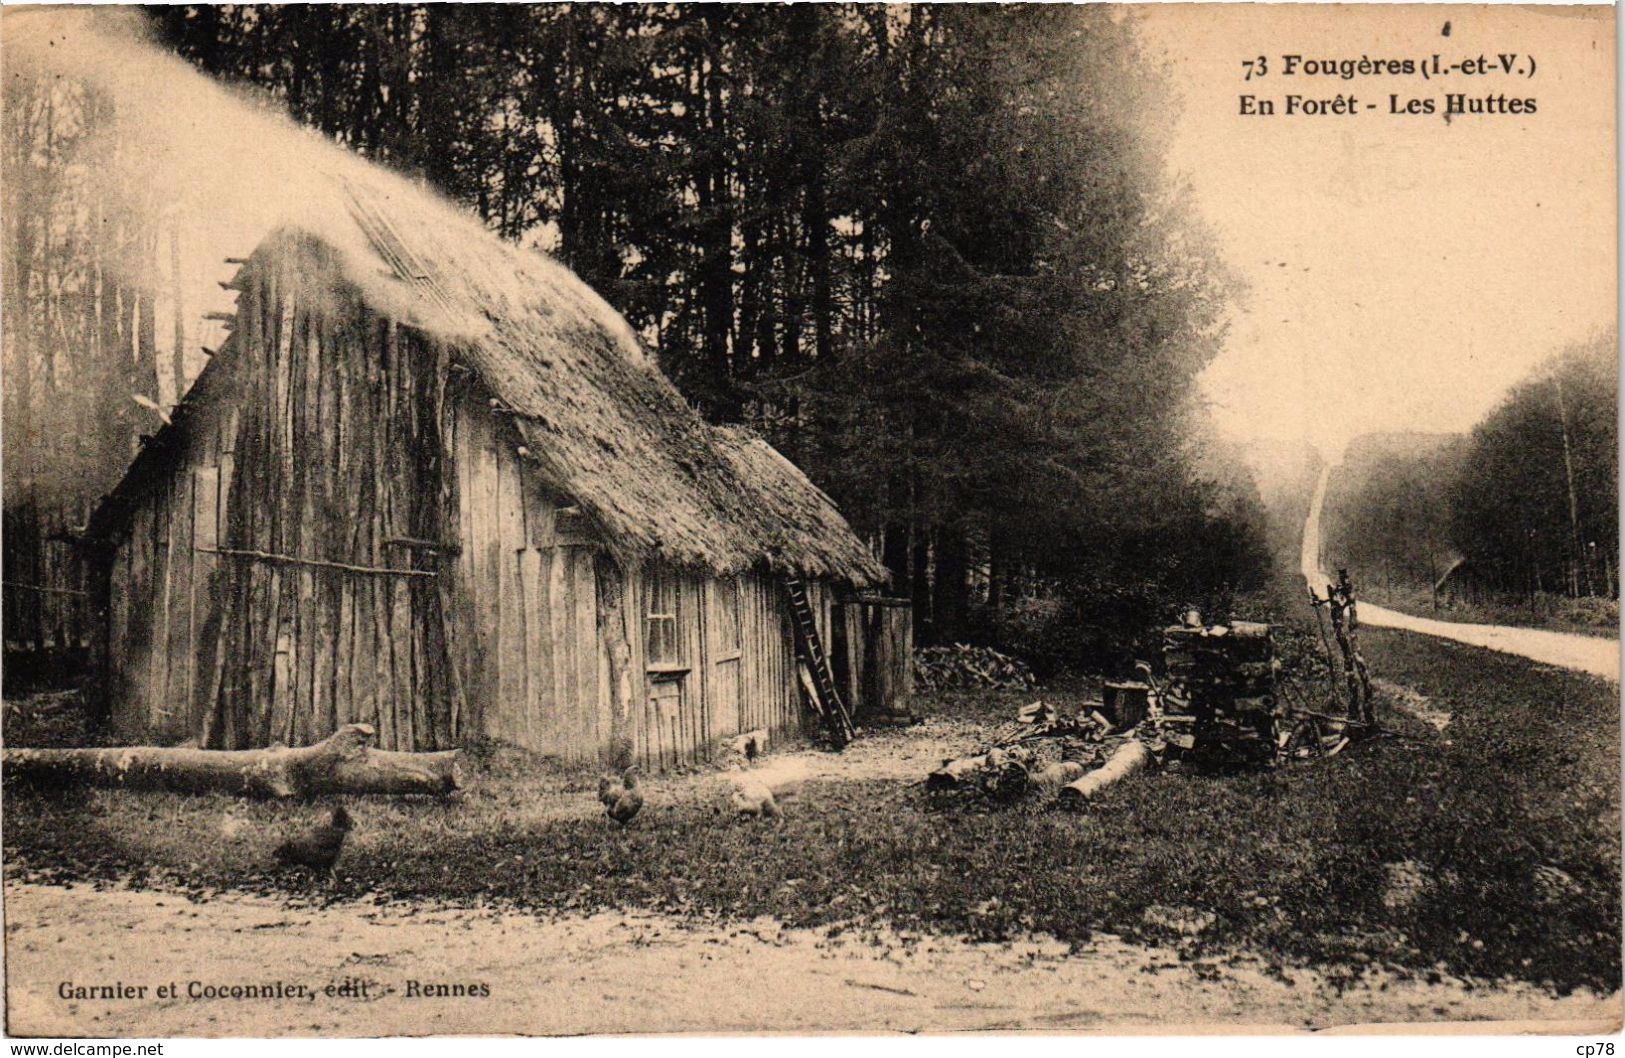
<point>1492,849</point>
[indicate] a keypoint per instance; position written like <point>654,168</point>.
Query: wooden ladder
<point>817,678</point>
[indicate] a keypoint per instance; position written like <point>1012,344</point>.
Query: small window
<point>661,643</point>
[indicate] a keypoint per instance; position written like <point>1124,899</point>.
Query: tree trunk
<point>950,593</point>
<point>997,572</point>
<point>1575,539</point>
<point>382,772</point>
<point>919,579</point>
<point>340,764</point>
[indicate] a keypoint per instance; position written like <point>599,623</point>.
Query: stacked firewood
<point>1219,693</point>
<point>961,665</point>
<point>1219,703</point>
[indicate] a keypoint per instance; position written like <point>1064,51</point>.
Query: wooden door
<point>722,656</point>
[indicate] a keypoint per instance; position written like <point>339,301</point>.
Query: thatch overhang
<point>601,422</point>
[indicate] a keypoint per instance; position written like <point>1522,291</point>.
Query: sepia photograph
<point>702,519</point>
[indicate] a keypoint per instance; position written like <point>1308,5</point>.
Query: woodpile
<point>1037,759</point>
<point>960,665</point>
<point>1219,704</point>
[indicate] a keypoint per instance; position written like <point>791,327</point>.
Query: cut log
<point>954,772</point>
<point>1128,758</point>
<point>1047,782</point>
<point>342,763</point>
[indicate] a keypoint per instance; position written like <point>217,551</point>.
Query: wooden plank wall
<point>680,721</point>
<point>534,668</point>
<point>527,592</point>
<point>159,600</point>
<point>771,690</point>
<point>875,663</point>
<point>333,453</point>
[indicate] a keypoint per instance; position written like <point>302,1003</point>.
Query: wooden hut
<point>432,482</point>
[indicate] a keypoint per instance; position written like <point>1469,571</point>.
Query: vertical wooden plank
<point>586,649</point>
<point>344,656</point>
<point>178,634</point>
<point>282,674</point>
<point>775,649</point>
<point>341,501</point>
<point>384,669</point>
<point>540,732</point>
<point>162,540</point>
<point>700,718</point>
<point>467,567</point>
<point>510,598</point>
<point>403,736</point>
<point>747,651</point>
<point>423,701</point>
<point>693,718</point>
<point>750,651</point>
<point>205,535</point>
<point>364,668</point>
<point>634,603</point>
<point>118,632</point>
<point>543,684</point>
<point>789,698</point>
<point>314,454</point>
<point>305,636</point>
<point>560,606</point>
<point>568,654</point>
<point>323,706</point>
<point>488,543</point>
<point>766,643</point>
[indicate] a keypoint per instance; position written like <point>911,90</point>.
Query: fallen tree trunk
<point>1128,758</point>
<point>382,772</point>
<point>342,763</point>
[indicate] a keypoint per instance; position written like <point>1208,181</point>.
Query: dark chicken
<point>624,803</point>
<point>319,848</point>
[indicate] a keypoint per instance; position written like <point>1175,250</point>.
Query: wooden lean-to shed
<point>433,483</point>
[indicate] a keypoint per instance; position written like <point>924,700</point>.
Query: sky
<point>1402,271</point>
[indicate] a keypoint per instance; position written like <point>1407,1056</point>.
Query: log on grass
<point>381,772</point>
<point>1128,758</point>
<point>342,763</point>
<point>1049,781</point>
<point>955,772</point>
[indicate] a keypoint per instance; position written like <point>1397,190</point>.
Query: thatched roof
<point>597,416</point>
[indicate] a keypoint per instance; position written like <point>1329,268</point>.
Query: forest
<point>1526,504</point>
<point>929,252</point>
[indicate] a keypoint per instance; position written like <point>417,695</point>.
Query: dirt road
<point>643,973</point>
<point>1591,654</point>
